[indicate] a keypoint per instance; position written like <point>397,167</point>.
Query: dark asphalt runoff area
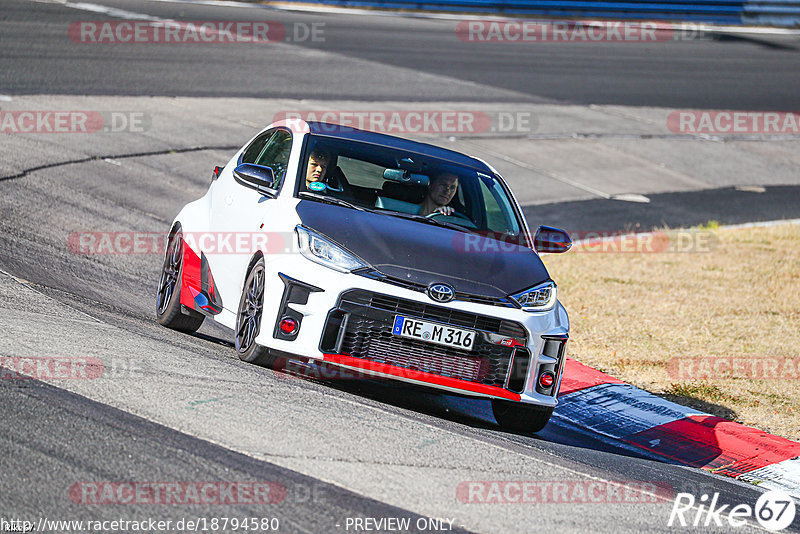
<point>189,410</point>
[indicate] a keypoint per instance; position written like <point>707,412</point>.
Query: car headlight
<point>539,298</point>
<point>325,252</point>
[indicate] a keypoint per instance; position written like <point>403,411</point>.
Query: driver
<point>318,162</point>
<point>441,191</point>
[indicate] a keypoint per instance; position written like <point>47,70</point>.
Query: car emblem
<point>441,292</point>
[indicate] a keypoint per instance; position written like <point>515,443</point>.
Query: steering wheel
<point>453,214</point>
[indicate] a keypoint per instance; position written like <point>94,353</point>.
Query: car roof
<point>338,131</point>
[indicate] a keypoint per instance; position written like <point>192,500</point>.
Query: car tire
<point>169,311</point>
<point>520,417</point>
<point>248,318</point>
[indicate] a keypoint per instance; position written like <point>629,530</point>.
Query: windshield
<point>407,184</point>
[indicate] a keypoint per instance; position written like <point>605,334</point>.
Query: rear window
<point>362,173</point>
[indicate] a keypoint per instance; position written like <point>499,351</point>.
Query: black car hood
<point>424,254</point>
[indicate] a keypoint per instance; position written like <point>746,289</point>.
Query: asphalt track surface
<point>386,58</point>
<point>183,408</point>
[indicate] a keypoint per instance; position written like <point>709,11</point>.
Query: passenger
<point>318,162</point>
<point>442,189</point>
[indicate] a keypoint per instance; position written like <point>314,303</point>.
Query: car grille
<point>367,334</point>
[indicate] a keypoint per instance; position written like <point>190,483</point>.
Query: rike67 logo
<point>774,510</point>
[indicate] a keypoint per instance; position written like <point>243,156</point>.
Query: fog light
<point>546,379</point>
<point>288,325</point>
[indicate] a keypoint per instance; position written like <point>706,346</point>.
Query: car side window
<point>275,155</point>
<point>252,152</point>
<point>499,212</point>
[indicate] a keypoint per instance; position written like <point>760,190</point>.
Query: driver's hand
<point>444,210</point>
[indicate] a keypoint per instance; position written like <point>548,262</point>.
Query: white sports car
<point>368,252</point>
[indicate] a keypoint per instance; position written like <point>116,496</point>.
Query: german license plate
<point>441,334</point>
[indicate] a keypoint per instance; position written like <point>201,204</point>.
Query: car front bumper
<point>345,320</point>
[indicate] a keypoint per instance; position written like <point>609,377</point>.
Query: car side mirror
<point>552,240</point>
<point>257,177</point>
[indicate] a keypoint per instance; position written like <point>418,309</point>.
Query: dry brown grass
<point>633,313</point>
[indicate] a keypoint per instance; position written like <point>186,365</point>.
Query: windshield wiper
<point>332,200</point>
<point>422,218</point>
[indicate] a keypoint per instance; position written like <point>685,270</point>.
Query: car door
<point>237,211</point>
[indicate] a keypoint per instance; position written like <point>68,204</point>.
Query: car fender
<point>279,252</point>
<point>198,291</point>
<point>193,219</point>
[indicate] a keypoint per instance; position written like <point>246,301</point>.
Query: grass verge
<point>707,317</point>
